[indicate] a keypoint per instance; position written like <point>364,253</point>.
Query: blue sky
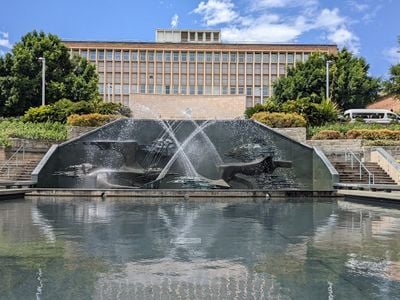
<point>367,27</point>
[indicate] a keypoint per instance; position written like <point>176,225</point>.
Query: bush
<point>280,120</point>
<point>46,131</point>
<point>60,110</point>
<point>328,135</point>
<point>270,105</point>
<point>91,120</point>
<point>381,143</point>
<point>345,127</point>
<point>367,134</point>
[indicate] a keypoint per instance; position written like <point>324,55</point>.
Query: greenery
<point>328,135</point>
<point>392,86</point>
<point>280,120</point>
<point>60,110</point>
<point>345,127</point>
<point>373,134</point>
<point>20,74</point>
<point>91,120</point>
<point>314,113</point>
<point>40,131</point>
<point>350,84</point>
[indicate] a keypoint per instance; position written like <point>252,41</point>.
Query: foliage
<point>328,135</point>
<point>367,134</point>
<point>91,120</point>
<point>392,85</point>
<point>280,120</point>
<point>350,84</point>
<point>270,105</point>
<point>20,74</point>
<point>381,143</point>
<point>41,131</point>
<point>345,127</point>
<point>60,110</point>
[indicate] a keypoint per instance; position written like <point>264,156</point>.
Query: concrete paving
<point>371,195</point>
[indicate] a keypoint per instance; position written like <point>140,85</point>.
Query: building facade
<point>187,62</point>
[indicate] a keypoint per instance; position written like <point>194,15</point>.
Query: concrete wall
<point>175,106</point>
<point>387,163</point>
<point>75,131</point>
<point>337,146</point>
<point>297,133</point>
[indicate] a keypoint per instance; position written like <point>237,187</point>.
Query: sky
<point>369,28</point>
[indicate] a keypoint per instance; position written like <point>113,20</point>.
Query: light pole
<point>327,79</point>
<point>43,60</point>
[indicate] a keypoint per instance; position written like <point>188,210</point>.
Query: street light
<point>43,60</point>
<point>327,78</point>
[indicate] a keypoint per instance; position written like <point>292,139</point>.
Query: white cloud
<point>4,41</point>
<point>216,12</point>
<point>358,6</point>
<point>392,55</point>
<point>269,21</point>
<point>174,21</point>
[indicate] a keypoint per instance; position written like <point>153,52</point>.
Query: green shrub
<point>345,127</point>
<point>270,105</point>
<point>46,131</point>
<point>60,110</point>
<point>91,120</point>
<point>381,143</point>
<point>280,120</point>
<point>328,135</point>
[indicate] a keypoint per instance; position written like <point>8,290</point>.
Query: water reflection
<point>230,249</point>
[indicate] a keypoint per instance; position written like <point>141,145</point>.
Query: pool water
<point>53,248</point>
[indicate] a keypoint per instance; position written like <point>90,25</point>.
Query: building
<point>386,102</point>
<point>184,64</point>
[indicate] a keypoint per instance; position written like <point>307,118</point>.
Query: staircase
<point>18,170</point>
<point>347,174</point>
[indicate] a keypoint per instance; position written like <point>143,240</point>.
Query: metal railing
<point>354,160</point>
<point>14,157</point>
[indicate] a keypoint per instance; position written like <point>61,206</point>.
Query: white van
<point>382,116</point>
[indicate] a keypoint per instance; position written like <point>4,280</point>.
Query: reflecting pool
<point>53,248</point>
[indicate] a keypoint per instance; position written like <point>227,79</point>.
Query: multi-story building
<point>191,63</point>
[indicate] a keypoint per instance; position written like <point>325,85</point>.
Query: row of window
<point>184,67</point>
<point>199,56</point>
<point>109,90</point>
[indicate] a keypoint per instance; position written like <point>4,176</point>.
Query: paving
<point>371,195</point>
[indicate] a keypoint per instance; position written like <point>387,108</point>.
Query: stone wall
<point>33,149</point>
<point>199,107</point>
<point>296,133</point>
<point>387,163</point>
<point>75,131</point>
<point>337,146</point>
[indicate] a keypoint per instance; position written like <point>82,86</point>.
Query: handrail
<point>7,163</point>
<point>350,154</point>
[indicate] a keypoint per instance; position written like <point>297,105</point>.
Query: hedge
<point>368,134</point>
<point>91,120</point>
<point>328,135</point>
<point>280,120</point>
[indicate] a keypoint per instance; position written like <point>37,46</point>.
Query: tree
<point>392,85</point>
<point>350,84</point>
<point>20,74</point>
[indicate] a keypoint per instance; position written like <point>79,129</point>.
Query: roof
<point>386,102</point>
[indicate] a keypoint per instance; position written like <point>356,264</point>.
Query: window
<point>265,57</point>
<point>117,89</point>
<point>290,58</point>
<point>241,57</point>
<point>192,56</point>
<point>150,89</point>
<point>184,56</point>
<point>126,56</point>
<point>241,90</point>
<point>150,55</point>
<point>117,55</point>
<point>257,57</point>
<point>92,55</point>
<point>274,57</point>
<point>282,69</point>
<point>101,88</point>
<point>142,88</point>
<point>225,57</point>
<point>126,100</point>
<point>192,90</point>
<point>134,55</point>
<point>233,57</point>
<point>233,90</point>
<point>183,89</point>
<point>176,56</point>
<point>216,90</point>
<point>100,55</point>
<point>208,56</point>
<point>143,55</point>
<point>167,56</point>
<point>167,89</point>
<point>84,53</point>
<point>200,56</point>
<point>159,56</point>
<point>200,90</point>
<point>306,56</point>
<point>274,69</point>
<point>125,89</point>
<point>216,57</point>
<point>249,57</point>
<point>134,89</point>
<point>249,91</point>
<point>158,89</point>
<point>282,58</point>
<point>299,57</point>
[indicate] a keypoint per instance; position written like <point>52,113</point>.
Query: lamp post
<point>43,60</point>
<point>327,78</point>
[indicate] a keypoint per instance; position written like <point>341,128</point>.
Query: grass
<point>13,128</point>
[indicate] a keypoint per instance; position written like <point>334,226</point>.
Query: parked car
<point>382,116</point>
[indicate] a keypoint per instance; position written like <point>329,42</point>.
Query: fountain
<point>181,154</point>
